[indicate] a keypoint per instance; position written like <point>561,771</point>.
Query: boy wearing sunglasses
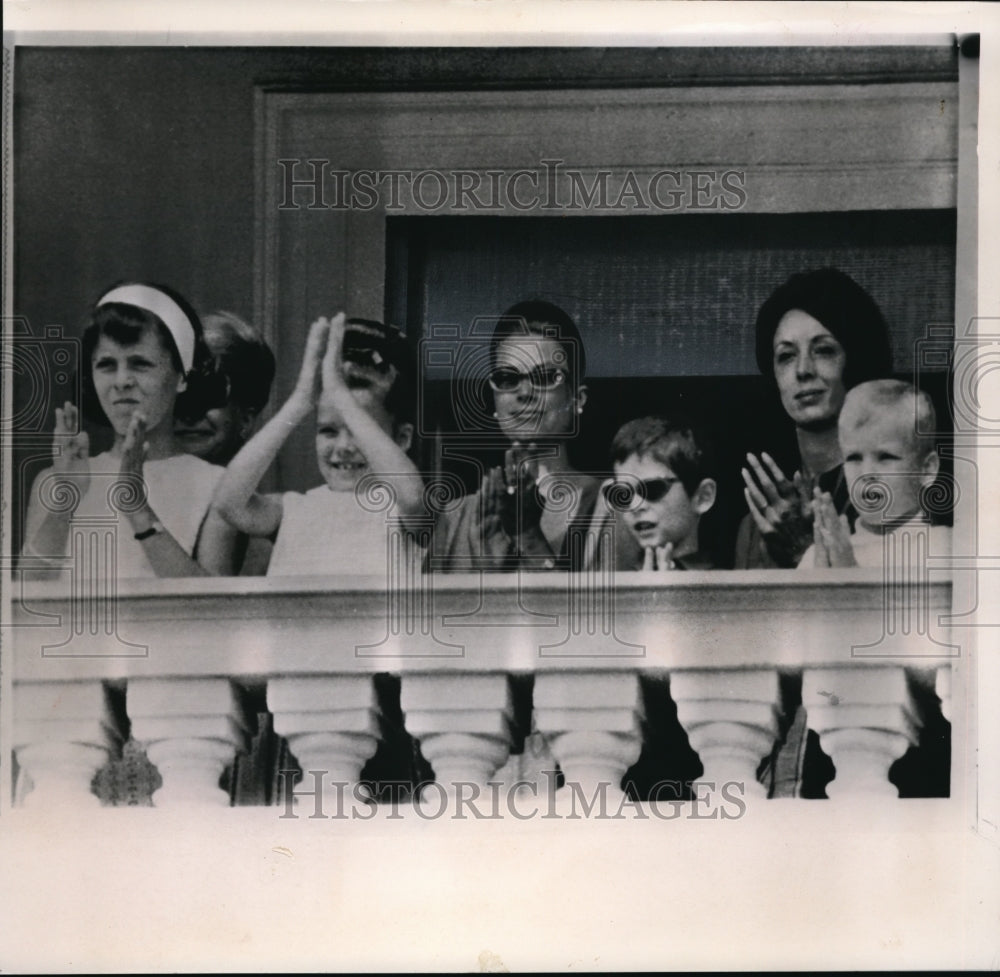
<point>662,487</point>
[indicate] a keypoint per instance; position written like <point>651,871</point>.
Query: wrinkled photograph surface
<point>499,504</point>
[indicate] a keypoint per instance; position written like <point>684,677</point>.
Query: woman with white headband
<point>142,351</point>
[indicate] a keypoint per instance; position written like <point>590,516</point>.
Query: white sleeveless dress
<point>179,489</point>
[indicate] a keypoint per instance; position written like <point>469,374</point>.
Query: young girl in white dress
<point>362,430</point>
<point>142,350</point>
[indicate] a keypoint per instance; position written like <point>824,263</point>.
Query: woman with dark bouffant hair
<point>818,335</point>
<point>144,358</point>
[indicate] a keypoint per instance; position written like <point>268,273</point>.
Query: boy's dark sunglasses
<point>623,495</point>
<point>505,379</point>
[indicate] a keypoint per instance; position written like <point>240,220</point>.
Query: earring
<point>495,415</point>
<point>579,410</point>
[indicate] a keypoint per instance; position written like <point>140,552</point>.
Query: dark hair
<point>542,319</point>
<point>844,308</point>
<point>125,323</point>
<point>390,344</point>
<point>243,355</point>
<point>672,441</point>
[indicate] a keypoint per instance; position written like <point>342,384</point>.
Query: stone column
<point>64,732</point>
<point>462,722</point>
<point>730,717</point>
<point>332,726</point>
<point>191,729</point>
<point>592,721</point>
<point>865,720</point>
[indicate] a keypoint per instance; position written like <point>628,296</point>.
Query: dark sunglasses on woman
<point>211,389</point>
<point>505,379</point>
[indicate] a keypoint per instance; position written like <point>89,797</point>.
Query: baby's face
<point>341,462</point>
<point>664,512</point>
<point>883,465</point>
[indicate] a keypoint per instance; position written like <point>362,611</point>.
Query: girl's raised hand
<point>129,495</point>
<point>71,448</point>
<point>333,360</point>
<point>134,449</point>
<point>307,388</point>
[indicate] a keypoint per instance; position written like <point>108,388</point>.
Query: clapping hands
<point>71,449</point>
<point>522,507</point>
<point>511,506</point>
<point>321,363</point>
<point>781,508</point>
<point>659,557</point>
<point>134,448</point>
<point>71,456</point>
<point>332,368</point>
<point>831,534</point>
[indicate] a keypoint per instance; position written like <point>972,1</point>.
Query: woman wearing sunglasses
<point>818,335</point>
<point>531,511</point>
<point>144,358</point>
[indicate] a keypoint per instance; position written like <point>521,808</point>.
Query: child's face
<point>136,377</point>
<point>883,465</point>
<point>673,518</point>
<point>341,462</point>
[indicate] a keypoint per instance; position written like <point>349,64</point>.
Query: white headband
<point>161,305</point>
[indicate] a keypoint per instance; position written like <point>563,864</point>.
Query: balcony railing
<point>170,663</point>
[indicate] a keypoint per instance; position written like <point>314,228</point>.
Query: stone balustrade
<point>499,663</point>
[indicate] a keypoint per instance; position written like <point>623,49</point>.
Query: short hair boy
<point>663,484</point>
<point>886,437</point>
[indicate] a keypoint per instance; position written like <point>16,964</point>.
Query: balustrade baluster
<point>865,719</point>
<point>730,717</point>
<point>592,721</point>
<point>191,729</point>
<point>64,732</point>
<point>331,723</point>
<point>462,722</point>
